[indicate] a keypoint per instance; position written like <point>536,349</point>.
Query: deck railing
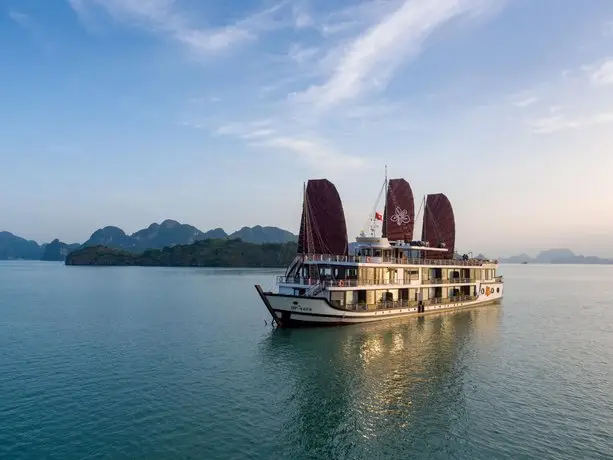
<point>395,260</point>
<point>388,305</point>
<point>369,282</point>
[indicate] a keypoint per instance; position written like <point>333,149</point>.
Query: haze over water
<point>101,362</point>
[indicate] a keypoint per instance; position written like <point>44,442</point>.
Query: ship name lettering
<point>301,308</point>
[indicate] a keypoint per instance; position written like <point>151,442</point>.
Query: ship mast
<point>372,222</point>
<point>385,199</point>
<point>385,184</point>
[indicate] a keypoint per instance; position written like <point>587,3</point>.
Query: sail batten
<point>399,213</point>
<point>439,225</point>
<point>323,229</point>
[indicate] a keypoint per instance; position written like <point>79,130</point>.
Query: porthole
<point>498,290</point>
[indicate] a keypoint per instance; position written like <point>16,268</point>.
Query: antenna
<point>384,202</point>
<point>385,185</point>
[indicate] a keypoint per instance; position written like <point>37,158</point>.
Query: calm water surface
<point>178,363</point>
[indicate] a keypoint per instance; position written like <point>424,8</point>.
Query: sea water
<point>130,362</point>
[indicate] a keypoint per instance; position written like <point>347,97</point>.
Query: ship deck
<point>394,261</point>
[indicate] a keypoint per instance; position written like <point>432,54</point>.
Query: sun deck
<point>388,260</point>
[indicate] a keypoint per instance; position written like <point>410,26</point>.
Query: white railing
<point>368,282</point>
<point>392,304</point>
<point>395,260</point>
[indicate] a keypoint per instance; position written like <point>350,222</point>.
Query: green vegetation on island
<point>204,253</point>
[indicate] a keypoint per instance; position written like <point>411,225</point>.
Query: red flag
<point>378,216</point>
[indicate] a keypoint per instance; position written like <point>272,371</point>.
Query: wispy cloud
<point>370,59</point>
<point>523,101</point>
<point>302,18</point>
<point>355,17</point>
<point>301,54</point>
<point>602,74</point>
<point>359,49</point>
<point>36,32</point>
<point>555,123</point>
<point>20,18</point>
<point>307,147</point>
<point>316,152</point>
<point>166,17</point>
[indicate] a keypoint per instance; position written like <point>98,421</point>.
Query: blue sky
<point>126,112</point>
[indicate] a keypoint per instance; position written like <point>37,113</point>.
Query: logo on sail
<point>400,217</point>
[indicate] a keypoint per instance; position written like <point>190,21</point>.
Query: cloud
<point>602,74</point>
<point>525,101</point>
<point>302,19</point>
<point>555,123</point>
<point>165,17</point>
<point>358,49</point>
<point>317,153</point>
<point>20,18</point>
<point>360,15</point>
<point>309,148</point>
<point>369,60</point>
<point>301,54</point>
<point>37,34</point>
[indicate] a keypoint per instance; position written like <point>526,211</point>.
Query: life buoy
<point>368,260</point>
<point>341,283</point>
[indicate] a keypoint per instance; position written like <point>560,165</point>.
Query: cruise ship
<point>384,274</point>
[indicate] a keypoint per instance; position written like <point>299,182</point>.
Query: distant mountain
<point>172,233</point>
<point>57,251</point>
<point>216,233</point>
<point>556,256</point>
<point>15,247</point>
<point>112,237</point>
<point>168,233</point>
<point>520,259</point>
<point>156,236</point>
<point>551,255</point>
<point>259,235</point>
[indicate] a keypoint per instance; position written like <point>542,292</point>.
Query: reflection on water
<point>358,389</point>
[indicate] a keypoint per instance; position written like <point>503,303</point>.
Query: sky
<point>214,113</point>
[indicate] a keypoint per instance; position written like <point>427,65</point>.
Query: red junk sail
<point>322,228</point>
<point>399,214</point>
<point>439,226</point>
